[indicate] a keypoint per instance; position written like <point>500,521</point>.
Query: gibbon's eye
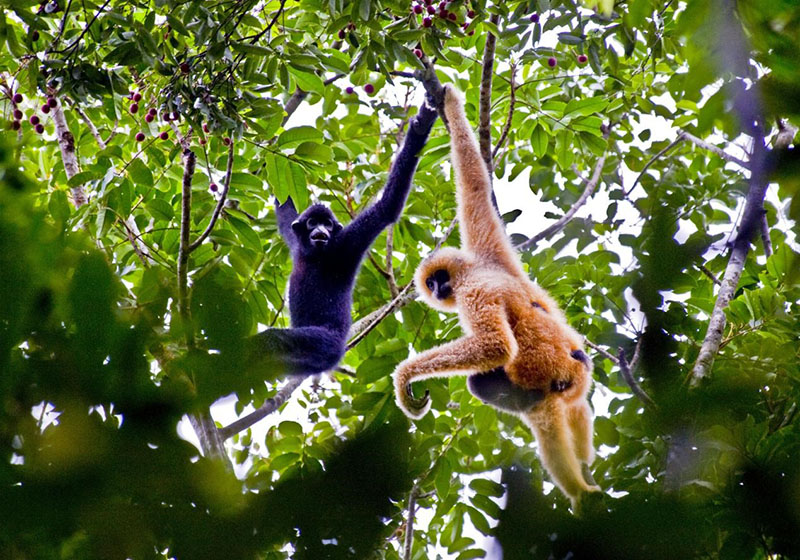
<point>311,223</point>
<point>429,283</point>
<point>580,355</point>
<point>327,224</point>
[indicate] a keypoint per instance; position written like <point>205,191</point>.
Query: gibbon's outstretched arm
<point>482,230</point>
<point>363,230</point>
<point>286,214</point>
<point>490,345</point>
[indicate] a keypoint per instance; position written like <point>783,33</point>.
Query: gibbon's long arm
<point>363,230</point>
<point>286,213</point>
<point>482,230</point>
<point>490,345</point>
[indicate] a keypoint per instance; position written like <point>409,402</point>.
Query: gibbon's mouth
<point>444,292</point>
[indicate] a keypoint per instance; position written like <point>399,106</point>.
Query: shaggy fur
<point>513,327</point>
<point>323,276</point>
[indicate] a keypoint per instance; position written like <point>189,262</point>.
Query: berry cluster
<point>444,10</point>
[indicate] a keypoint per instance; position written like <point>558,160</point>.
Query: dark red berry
<point>341,34</point>
<point>418,9</point>
<point>582,59</point>
<point>226,141</point>
<point>52,102</point>
<point>427,22</point>
<point>431,10</point>
<point>34,35</point>
<point>471,32</point>
<point>176,116</point>
<point>34,120</point>
<point>452,16</point>
<point>39,128</point>
<point>551,62</point>
<point>418,52</point>
<point>369,88</point>
<point>471,13</point>
<point>443,14</point>
<point>140,136</point>
<point>185,68</point>
<point>137,97</point>
<point>213,187</point>
<point>45,108</point>
<point>17,98</point>
<point>428,2</point>
<point>134,108</point>
<point>152,111</point>
<point>164,135</point>
<point>442,5</point>
<point>351,26</point>
<point>205,128</point>
<point>15,125</point>
<point>18,114</point>
<point>202,141</point>
<point>149,117</point>
<point>349,90</point>
<point>534,18</point>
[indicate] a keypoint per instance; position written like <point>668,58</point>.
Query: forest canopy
<point>644,154</point>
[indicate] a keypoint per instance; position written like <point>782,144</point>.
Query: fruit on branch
<point>137,97</point>
<point>52,102</point>
<point>149,117</point>
<point>15,125</point>
<point>17,98</point>
<point>369,88</point>
<point>534,18</point>
<point>134,108</point>
<point>418,52</point>
<point>34,120</point>
<point>18,114</point>
<point>226,141</point>
<point>45,108</point>
<point>164,135</point>
<point>349,90</point>
<point>551,62</point>
<point>140,136</point>
<point>582,59</point>
<point>39,128</point>
<point>341,34</point>
<point>213,187</point>
<point>427,22</point>
<point>418,9</point>
<point>185,68</point>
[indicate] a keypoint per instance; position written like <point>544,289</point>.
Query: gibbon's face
<point>439,284</point>
<point>316,227</point>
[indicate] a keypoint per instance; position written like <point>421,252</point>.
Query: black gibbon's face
<point>439,284</point>
<point>317,228</point>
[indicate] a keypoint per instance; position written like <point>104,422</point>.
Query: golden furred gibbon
<point>512,327</point>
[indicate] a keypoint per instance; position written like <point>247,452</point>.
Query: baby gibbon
<point>510,325</point>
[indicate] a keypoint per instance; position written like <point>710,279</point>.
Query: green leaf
<point>298,135</point>
<point>160,209</point>
<point>140,174</point>
<point>364,9</point>
<point>247,235</point>
<point>58,206</point>
<point>307,81</point>
<point>289,428</point>
<point>585,107</point>
<point>539,141</point>
<point>246,181</point>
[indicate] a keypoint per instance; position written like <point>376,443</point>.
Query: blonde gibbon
<point>533,362</point>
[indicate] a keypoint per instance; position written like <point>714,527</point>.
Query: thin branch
<point>512,101</point>
<point>66,141</point>
<point>631,380</point>
<point>708,273</point>
<point>184,248</point>
<point>606,354</point>
<point>268,407</point>
<point>300,95</point>
<point>211,442</point>
<point>393,289</point>
<point>653,159</point>
<point>485,102</point>
<point>183,139</point>
<point>712,148</point>
<point>363,327</point>
<point>562,222</point>
<point>412,506</point>
<point>74,43</point>
<point>747,105</point>
<point>220,203</point>
<point>90,125</point>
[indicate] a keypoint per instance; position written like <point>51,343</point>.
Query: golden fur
<point>508,321</point>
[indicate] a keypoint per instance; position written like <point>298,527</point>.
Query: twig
<point>748,107</point>
<point>299,96</point>
<point>608,355</point>
<point>220,203</point>
<point>512,101</point>
<point>412,506</point>
<point>653,159</point>
<point>66,141</point>
<point>712,148</point>
<point>631,381</point>
<point>268,407</point>
<point>89,125</point>
<point>393,289</point>
<point>183,139</point>
<point>704,269</point>
<point>363,327</point>
<point>591,185</point>
<point>85,29</point>
<point>485,102</point>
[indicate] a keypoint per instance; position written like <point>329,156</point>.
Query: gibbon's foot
<point>417,408</point>
<point>587,475</point>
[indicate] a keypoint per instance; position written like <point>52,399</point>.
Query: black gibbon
<point>513,327</point>
<point>326,257</point>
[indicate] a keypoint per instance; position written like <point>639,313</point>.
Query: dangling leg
<point>496,389</point>
<point>579,416</point>
<point>556,449</point>
<point>293,351</point>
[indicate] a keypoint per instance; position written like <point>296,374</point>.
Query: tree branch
<point>507,127</point>
<point>704,269</point>
<point>211,443</point>
<point>747,105</point>
<point>631,380</point>
<point>712,148</point>
<point>220,203</point>
<point>591,185</point>
<point>485,103</point>
<point>189,161</point>
<point>66,141</point>
<point>653,159</point>
<point>268,407</point>
<point>393,289</point>
<point>89,124</point>
<point>364,326</point>
<point>412,506</point>
<point>299,96</point>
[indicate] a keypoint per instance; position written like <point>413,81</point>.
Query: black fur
<point>495,388</point>
<point>323,274</point>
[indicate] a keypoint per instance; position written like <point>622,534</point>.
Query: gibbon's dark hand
<point>433,87</point>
